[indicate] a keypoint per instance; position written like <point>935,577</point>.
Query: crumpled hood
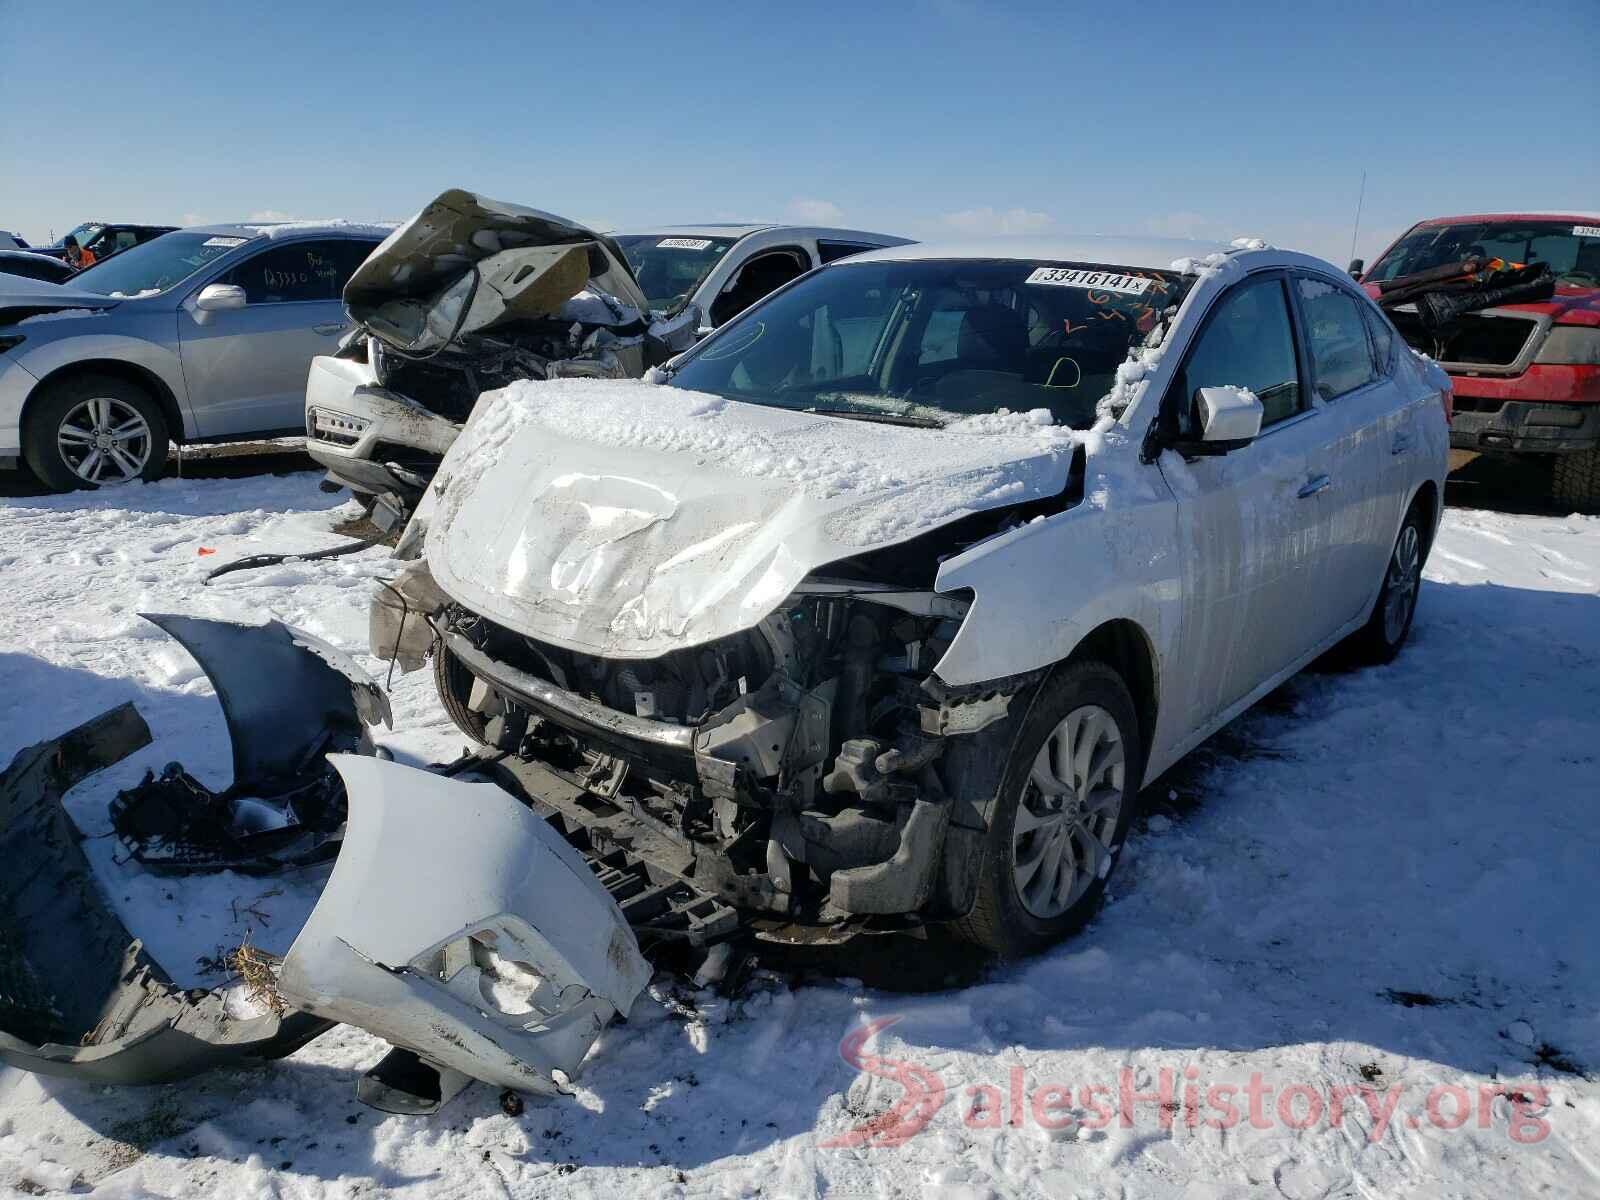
<point>411,290</point>
<point>625,519</point>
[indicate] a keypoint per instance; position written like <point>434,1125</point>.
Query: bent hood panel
<point>628,520</point>
<point>402,289</point>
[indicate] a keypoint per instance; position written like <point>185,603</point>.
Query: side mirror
<point>219,297</point>
<point>1230,417</point>
<point>1357,266</point>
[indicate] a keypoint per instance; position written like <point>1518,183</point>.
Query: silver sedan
<point>203,334</point>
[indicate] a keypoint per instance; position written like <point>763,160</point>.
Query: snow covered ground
<point>1352,919</point>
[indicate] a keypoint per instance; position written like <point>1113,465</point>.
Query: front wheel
<point>1066,798</point>
<point>454,683</point>
<point>94,431</point>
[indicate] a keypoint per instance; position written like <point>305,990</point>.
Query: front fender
<point>155,353</point>
<point>1040,589</point>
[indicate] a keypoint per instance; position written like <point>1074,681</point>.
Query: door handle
<point>330,327</point>
<point>1401,444</point>
<point>1315,484</point>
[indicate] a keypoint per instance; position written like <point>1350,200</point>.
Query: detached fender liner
<point>79,997</point>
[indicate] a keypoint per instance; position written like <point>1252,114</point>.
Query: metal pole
<point>1357,229</point>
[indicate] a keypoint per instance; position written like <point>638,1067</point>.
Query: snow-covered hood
<point>626,519</point>
<point>411,290</point>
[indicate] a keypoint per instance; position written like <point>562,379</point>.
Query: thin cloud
<point>807,211</point>
<point>988,220</point>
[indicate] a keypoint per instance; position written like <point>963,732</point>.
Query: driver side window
<point>1248,342</point>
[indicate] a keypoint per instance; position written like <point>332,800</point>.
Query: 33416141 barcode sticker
<point>1088,278</point>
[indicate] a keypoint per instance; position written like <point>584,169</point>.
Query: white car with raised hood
<point>546,298</point>
<point>879,605</point>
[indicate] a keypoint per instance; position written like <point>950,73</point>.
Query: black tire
<point>1000,920</point>
<point>66,403</point>
<point>1575,480</point>
<point>1380,640</point>
<point>454,682</point>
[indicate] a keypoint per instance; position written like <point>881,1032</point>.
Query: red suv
<point>1527,373</point>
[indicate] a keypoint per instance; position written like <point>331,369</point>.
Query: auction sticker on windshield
<point>683,243</point>
<point>229,242</point>
<point>1100,281</point>
<point>1586,231</point>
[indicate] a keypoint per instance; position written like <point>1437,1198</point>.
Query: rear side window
<point>1383,335</point>
<point>833,251</point>
<point>299,271</point>
<point>1336,338</point>
<point>1248,342</point>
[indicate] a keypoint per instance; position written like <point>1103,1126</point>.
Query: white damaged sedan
<point>877,607</point>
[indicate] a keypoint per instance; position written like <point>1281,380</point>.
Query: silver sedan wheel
<point>1067,813</point>
<point>104,441</point>
<point>1405,576</point>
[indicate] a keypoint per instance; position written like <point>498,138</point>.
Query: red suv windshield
<point>1572,250</point>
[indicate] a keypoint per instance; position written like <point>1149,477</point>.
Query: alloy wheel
<point>104,441</point>
<point>1067,813</point>
<point>1405,576</point>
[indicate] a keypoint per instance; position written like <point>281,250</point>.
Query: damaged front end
<point>800,772</point>
<point>810,777</point>
<point>456,924</point>
<point>721,679</point>
<point>470,295</point>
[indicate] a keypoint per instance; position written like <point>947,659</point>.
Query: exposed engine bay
<point>801,770</point>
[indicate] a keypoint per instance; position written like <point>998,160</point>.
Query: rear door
<point>1357,492</point>
<point>1244,524</point>
<point>246,368</point>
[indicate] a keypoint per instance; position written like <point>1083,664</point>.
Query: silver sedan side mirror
<point>217,297</point>
<point>1228,414</point>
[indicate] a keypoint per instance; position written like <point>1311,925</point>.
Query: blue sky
<point>1169,117</point>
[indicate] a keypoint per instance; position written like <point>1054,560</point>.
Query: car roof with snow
<point>1153,253</point>
<point>737,230</point>
<point>271,229</point>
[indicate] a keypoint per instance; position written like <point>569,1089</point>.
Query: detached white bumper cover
<point>459,925</point>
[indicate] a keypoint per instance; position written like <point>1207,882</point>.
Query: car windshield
<point>929,342</point>
<point>84,232</point>
<point>1571,250</point>
<point>155,265</point>
<point>670,267</point>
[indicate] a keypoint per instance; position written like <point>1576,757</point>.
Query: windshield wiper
<point>857,414</point>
